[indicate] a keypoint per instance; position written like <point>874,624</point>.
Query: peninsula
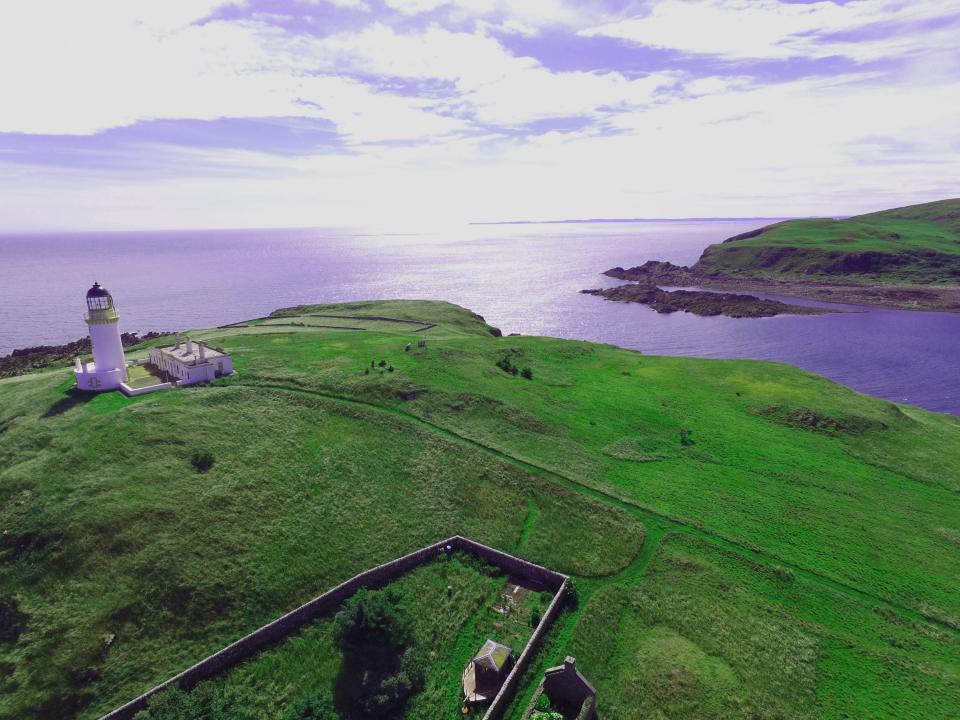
<point>906,258</point>
<point>744,539</point>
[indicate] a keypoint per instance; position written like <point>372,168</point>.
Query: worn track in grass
<point>658,524</point>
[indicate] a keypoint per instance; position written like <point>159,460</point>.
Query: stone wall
<point>375,577</point>
<point>503,699</point>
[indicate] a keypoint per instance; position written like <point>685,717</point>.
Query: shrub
<point>381,669</point>
<point>390,369</point>
<point>202,460</point>
<point>371,618</point>
<point>527,373</point>
<point>686,437</point>
<point>535,617</point>
<point>383,363</point>
<point>543,702</point>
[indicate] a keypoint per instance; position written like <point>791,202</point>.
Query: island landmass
<point>906,258</point>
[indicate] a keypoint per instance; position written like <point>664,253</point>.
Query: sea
<point>523,278</point>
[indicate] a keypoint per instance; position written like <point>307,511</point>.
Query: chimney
<point>77,365</point>
<point>189,345</point>
<point>178,342</point>
<point>569,663</point>
<point>203,352</point>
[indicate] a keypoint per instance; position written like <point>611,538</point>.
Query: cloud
<point>774,29</point>
<point>306,112</point>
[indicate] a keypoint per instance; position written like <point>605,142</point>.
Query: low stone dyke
<point>375,577</point>
<point>503,699</point>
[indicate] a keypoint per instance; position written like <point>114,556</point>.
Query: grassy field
<point>918,244</point>
<point>749,540</point>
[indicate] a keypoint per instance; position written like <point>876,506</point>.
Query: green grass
<point>918,244</point>
<point>140,377</point>
<point>322,470</point>
<point>450,628</point>
<point>707,634</point>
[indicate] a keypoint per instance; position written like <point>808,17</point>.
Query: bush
<point>527,373</point>
<point>686,437</point>
<point>371,618</point>
<point>202,460</point>
<point>543,703</point>
<point>535,616</point>
<point>316,705</point>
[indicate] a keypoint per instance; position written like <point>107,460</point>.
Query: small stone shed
<point>569,692</point>
<point>485,674</point>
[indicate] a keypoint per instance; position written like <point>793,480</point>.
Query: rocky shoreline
<point>24,360</point>
<point>700,302</point>
<point>940,298</point>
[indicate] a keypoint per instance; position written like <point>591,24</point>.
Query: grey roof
<point>569,668</point>
<point>181,355</point>
<point>492,656</point>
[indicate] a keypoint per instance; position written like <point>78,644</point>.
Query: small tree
<point>371,618</point>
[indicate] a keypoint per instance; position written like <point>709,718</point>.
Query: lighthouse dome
<point>97,290</point>
<point>98,298</point>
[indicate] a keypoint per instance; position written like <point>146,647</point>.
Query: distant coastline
<point>588,221</point>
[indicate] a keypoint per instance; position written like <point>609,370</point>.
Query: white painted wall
<point>107,347</point>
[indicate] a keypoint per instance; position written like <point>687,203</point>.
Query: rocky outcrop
<point>24,360</point>
<point>700,302</point>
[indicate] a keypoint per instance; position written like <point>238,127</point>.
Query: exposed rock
<point>24,360</point>
<point>701,302</point>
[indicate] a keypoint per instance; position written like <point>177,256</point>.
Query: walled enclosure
<point>375,577</point>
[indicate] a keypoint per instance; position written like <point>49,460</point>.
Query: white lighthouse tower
<point>109,368</point>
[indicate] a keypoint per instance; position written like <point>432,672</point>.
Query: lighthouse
<point>109,367</point>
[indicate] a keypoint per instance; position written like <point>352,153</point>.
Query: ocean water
<point>521,278</point>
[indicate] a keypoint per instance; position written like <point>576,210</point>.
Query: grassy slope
<point>917,244</point>
<point>448,628</point>
<point>323,470</point>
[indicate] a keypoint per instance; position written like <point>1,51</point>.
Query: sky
<point>139,114</point>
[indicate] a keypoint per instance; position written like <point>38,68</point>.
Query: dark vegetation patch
<point>13,622</point>
<point>807,419</point>
<point>202,460</point>
<point>382,668</point>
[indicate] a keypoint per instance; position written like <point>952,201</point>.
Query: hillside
<point>747,539</point>
<point>916,245</point>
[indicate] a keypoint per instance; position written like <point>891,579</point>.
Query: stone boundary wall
<point>375,577</point>
<point>503,699</point>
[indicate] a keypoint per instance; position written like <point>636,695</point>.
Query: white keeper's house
<point>191,362</point>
